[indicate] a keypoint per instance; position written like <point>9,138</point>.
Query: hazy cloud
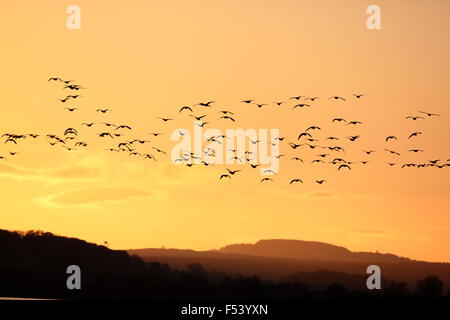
<point>93,197</point>
<point>52,175</point>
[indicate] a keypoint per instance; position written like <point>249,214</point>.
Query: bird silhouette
<point>414,118</point>
<point>205,104</point>
<point>430,114</point>
<point>301,105</point>
<point>336,98</point>
<point>185,108</point>
<point>414,134</point>
<point>391,138</point>
<point>227,117</point>
<point>232,172</point>
<point>344,166</point>
<point>165,119</point>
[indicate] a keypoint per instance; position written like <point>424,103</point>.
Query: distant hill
<point>310,250</point>
<point>280,259</point>
<point>34,263</point>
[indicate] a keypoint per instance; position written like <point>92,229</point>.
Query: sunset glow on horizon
<point>148,59</point>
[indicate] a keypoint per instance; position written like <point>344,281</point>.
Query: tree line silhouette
<point>33,264</point>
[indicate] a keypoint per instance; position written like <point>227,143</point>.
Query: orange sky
<point>148,59</point>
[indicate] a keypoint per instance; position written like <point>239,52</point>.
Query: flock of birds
<point>70,139</point>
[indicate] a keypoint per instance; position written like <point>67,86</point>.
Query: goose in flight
<point>123,127</point>
<point>353,138</point>
<point>266,179</point>
<point>357,96</point>
<point>312,99</point>
<point>140,141</point>
<point>247,101</point>
<point>295,180</point>
<point>75,96</point>
<point>104,134</point>
<point>297,159</point>
<point>414,134</point>
<point>198,118</point>
<point>296,97</point>
<point>344,166</point>
<point>227,117</point>
<point>73,87</point>
<point>159,150</point>
<point>336,98</point>
<point>201,124</point>
<point>294,146</point>
<point>369,152</point>
<point>260,105</point>
<point>339,120</point>
<point>205,104</point>
<point>11,139</point>
<point>71,109</point>
<point>354,122</point>
<point>414,118</point>
<point>149,156</point>
<point>70,131</point>
<point>303,134</point>
<point>164,119</point>
<point>311,146</point>
<point>415,150</point>
<point>226,112</point>
<point>391,138</point>
<point>81,144</point>
<point>392,152</point>
<point>88,124</point>
<point>429,114</point>
<point>103,110</point>
<point>301,105</point>
<point>225,176</point>
<point>232,172</point>
<point>185,108</point>
<point>321,181</point>
<point>312,128</point>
